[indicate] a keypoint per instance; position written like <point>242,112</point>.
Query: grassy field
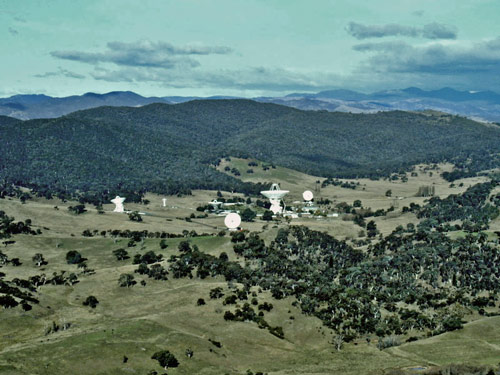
<point>371,193</point>
<point>138,321</point>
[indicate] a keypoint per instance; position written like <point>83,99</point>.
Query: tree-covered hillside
<point>169,148</point>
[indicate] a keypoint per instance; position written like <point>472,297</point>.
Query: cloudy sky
<point>247,47</point>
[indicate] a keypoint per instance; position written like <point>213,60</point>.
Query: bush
<point>91,301</point>
<point>74,257</point>
<point>216,293</point>
<point>277,331</point>
<point>135,216</point>
<point>165,359</point>
<point>78,209</point>
<point>387,342</point>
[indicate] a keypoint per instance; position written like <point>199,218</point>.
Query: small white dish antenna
<point>232,221</point>
<point>308,195</point>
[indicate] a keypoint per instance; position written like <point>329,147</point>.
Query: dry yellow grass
<point>138,321</point>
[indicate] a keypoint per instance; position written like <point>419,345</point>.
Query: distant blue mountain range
<point>481,105</point>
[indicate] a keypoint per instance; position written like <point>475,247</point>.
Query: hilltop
<point>479,105</point>
<point>170,149</point>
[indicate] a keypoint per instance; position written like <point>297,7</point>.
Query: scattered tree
<point>338,341</point>
<point>74,257</point>
<point>248,215</point>
<point>135,216</point>
<point>267,215</point>
<point>165,359</point>
<point>126,280</point>
<point>120,254</point>
<point>78,209</point>
<point>91,301</point>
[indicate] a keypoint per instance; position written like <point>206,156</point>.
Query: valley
<point>137,321</point>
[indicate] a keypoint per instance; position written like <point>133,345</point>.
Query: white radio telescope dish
<point>275,195</point>
<point>308,195</point>
<point>232,220</point>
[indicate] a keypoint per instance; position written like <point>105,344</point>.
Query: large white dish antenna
<point>232,220</point>
<point>275,192</point>
<point>308,195</point>
<point>275,195</point>
<point>118,201</point>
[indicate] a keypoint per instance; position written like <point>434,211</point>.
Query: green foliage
<point>91,301</point>
<point>165,359</point>
<point>8,227</point>
<point>267,215</point>
<point>8,302</point>
<point>216,293</point>
<point>74,257</point>
<point>137,163</point>
<point>248,215</point>
<point>120,254</point>
<point>39,260</point>
<point>471,206</point>
<point>126,280</point>
<point>135,216</point>
<point>147,258</point>
<point>238,236</point>
<point>277,331</point>
<point>78,209</point>
<point>184,247</point>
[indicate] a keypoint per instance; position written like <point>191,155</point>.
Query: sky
<point>247,47</point>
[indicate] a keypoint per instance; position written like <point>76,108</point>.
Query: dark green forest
<point>171,149</point>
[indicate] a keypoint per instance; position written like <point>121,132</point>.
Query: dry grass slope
<point>137,321</point>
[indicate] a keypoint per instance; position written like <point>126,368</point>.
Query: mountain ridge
<point>168,148</point>
<point>481,105</point>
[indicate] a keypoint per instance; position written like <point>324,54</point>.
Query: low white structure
<point>164,200</point>
<point>118,201</point>
<point>275,195</point>
<point>215,204</point>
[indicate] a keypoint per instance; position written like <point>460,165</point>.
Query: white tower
<point>118,201</point>
<point>275,195</point>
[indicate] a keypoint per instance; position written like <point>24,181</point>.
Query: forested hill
<point>168,148</point>
<point>5,120</point>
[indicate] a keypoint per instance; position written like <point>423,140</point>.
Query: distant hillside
<point>4,120</point>
<point>168,148</point>
<point>41,106</point>
<point>482,105</point>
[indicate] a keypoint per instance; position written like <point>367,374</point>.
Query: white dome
<point>232,220</point>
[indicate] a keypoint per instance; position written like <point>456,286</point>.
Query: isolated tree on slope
<point>248,215</point>
<point>38,259</point>
<point>267,216</point>
<point>165,359</point>
<point>126,280</point>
